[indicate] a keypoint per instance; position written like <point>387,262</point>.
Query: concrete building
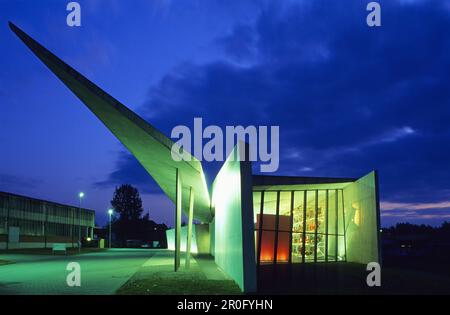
<point>33,223</point>
<point>244,219</point>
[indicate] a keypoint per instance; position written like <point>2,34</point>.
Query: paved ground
<point>101,273</point>
<point>156,276</point>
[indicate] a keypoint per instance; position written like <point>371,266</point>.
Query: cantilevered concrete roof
<point>145,142</point>
<point>269,182</point>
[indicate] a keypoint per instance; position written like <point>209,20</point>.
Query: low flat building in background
<point>33,223</point>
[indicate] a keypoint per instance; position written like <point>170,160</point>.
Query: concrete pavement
<point>157,276</point>
<point>101,272</point>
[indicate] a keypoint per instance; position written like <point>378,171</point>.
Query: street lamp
<point>110,212</point>
<point>80,196</point>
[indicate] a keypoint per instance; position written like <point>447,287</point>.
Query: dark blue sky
<point>348,98</point>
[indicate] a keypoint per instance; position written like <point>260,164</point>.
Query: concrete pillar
<point>178,220</point>
<point>189,231</point>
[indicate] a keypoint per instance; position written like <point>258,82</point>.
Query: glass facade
<point>299,226</point>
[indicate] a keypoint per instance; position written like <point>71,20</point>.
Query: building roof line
<point>5,193</point>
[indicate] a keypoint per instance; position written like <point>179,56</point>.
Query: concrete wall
<point>212,236</point>
<point>202,237</point>
<point>234,245</point>
<point>362,220</point>
<point>200,242</point>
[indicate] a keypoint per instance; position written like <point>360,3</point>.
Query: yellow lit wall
<point>199,242</point>
<point>362,220</point>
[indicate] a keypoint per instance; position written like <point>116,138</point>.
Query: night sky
<point>348,98</point>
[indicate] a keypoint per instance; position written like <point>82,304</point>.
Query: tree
<point>132,223</point>
<point>127,203</point>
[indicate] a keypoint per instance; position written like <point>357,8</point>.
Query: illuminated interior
<point>299,226</point>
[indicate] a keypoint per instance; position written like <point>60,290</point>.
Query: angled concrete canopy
<point>145,142</point>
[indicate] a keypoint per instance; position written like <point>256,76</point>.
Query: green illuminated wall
<point>212,235</point>
<point>362,220</point>
<point>202,238</point>
<point>234,245</point>
<point>170,234</point>
<point>199,242</point>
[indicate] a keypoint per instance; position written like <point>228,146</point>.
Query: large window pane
<point>311,212</point>
<point>297,247</point>
<point>332,224</point>
<point>341,214</point>
<point>309,247</point>
<point>321,225</point>
<point>298,226</point>
<point>256,205</point>
<point>270,210</point>
<point>298,211</point>
<point>310,238</point>
<point>283,247</point>
<point>321,214</point>
<point>341,248</point>
<point>332,213</point>
<point>267,246</point>
<point>285,203</point>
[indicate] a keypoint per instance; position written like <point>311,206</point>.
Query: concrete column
<point>178,220</point>
<point>189,231</point>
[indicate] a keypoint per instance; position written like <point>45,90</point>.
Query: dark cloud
<point>348,98</point>
<point>240,43</point>
<point>130,171</point>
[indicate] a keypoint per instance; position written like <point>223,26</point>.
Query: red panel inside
<point>268,238</point>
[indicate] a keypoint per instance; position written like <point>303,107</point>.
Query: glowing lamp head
<point>81,195</point>
<point>110,211</point>
<point>88,239</point>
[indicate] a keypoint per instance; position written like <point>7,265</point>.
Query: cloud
<point>386,205</point>
<point>348,98</point>
<point>395,135</point>
<point>239,44</point>
<point>129,171</point>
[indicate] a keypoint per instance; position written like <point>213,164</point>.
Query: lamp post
<point>80,196</point>
<point>110,212</point>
